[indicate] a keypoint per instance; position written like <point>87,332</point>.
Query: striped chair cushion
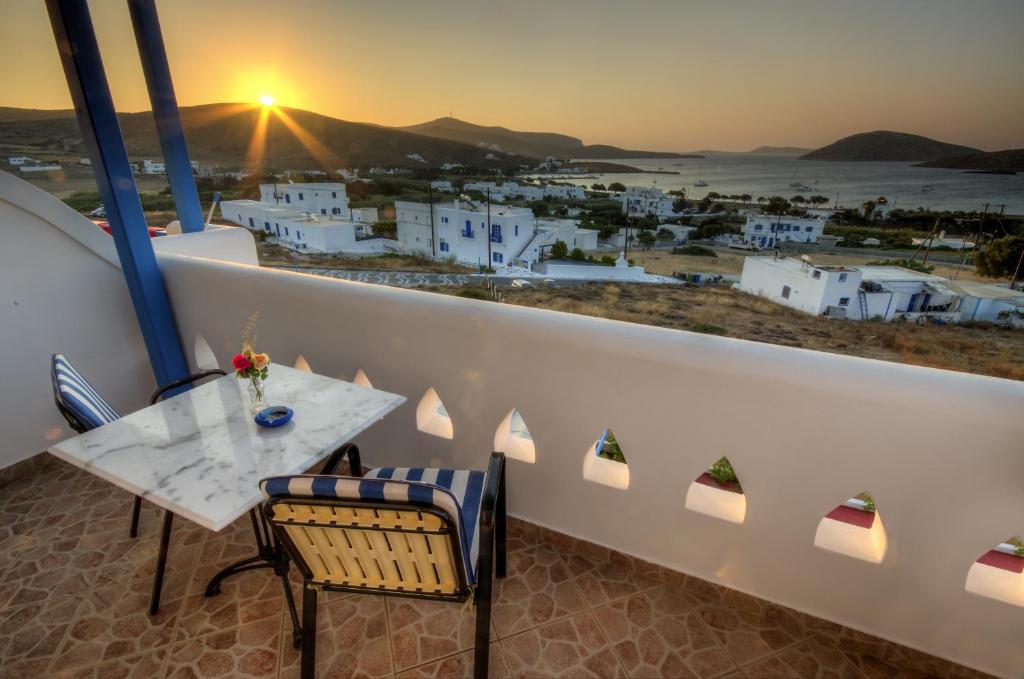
<point>457,493</point>
<point>78,396</point>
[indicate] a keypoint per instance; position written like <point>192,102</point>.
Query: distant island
<point>529,144</point>
<point>604,167</point>
<point>780,150</point>
<point>1008,161</point>
<point>884,145</point>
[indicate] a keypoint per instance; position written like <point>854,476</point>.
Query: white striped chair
<point>84,409</point>
<point>420,532</point>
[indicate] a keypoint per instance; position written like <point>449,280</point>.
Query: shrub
<point>905,263</point>
<point>559,250</point>
<point>723,472</point>
<point>472,293</point>
<point>709,329</point>
<point>694,251</point>
<point>577,255</point>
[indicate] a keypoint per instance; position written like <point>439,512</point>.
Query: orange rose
<point>261,361</point>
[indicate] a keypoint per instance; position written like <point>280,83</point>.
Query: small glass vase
<point>257,395</point>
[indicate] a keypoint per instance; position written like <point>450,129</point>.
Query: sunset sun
<point>267,100</point>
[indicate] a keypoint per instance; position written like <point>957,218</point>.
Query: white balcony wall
<point>827,426</point>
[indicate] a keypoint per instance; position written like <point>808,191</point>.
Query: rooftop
<point>74,589</point>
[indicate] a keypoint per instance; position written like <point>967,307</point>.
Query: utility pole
<point>433,230</point>
<point>489,255</point>
<point>931,241</point>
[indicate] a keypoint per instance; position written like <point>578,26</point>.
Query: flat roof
<point>895,273</point>
<point>313,186</point>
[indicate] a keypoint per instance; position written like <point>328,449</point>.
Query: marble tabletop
<point>201,455</point>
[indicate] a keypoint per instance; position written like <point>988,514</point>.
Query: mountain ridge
<point>532,144</point>
<point>1007,160</point>
<point>886,145</point>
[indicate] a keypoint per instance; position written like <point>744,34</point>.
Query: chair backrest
<point>388,536</point>
<point>77,401</point>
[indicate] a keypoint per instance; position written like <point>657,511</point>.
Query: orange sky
<point>674,75</point>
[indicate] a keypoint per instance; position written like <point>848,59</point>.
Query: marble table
<point>200,455</point>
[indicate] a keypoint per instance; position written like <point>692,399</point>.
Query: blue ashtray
<point>274,416</point>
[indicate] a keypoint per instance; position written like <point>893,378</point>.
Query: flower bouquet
<point>252,366</point>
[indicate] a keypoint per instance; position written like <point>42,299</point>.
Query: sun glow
<point>267,100</point>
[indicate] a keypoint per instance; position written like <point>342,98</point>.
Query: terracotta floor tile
<point>460,667</point>
<point>750,628</point>
<point>522,534</point>
<point>572,647</point>
<point>52,566</point>
<point>247,597</point>
<point>30,636</point>
<point>602,581</point>
<point>250,650</point>
<point>814,659</point>
<point>145,666</point>
<point>537,590</point>
<point>114,622</point>
<point>423,631</point>
<point>659,633</point>
<point>352,640</point>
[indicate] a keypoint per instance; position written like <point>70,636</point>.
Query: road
<point>419,279</point>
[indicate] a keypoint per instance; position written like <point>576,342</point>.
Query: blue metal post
<point>87,81</point>
<point>165,112</point>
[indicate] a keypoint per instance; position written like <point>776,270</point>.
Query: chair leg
<point>500,531</point>
<point>482,650</point>
<point>308,669</point>
<point>134,531</point>
<point>161,563</point>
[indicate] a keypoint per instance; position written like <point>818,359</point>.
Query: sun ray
<point>258,143</point>
<point>328,159</point>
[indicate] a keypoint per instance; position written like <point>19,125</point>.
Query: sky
<point>673,75</point>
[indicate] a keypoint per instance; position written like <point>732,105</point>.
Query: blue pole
<point>87,81</point>
<point>165,112</point>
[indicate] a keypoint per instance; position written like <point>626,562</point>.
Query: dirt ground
<point>275,255</point>
<point>731,261</point>
<point>980,349</point>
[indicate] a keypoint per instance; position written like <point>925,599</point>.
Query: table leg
<point>269,554</point>
<point>161,563</point>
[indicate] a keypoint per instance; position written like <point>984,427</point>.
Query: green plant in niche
<point>610,449</point>
<point>1018,546</point>
<point>869,502</point>
<point>723,472</point>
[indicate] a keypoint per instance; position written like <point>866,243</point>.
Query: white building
<point>41,167</point>
<point>459,230</point>
<point>647,200</point>
<point>768,231</point>
<point>565,192</point>
<point>442,186</point>
<point>314,217</point>
<point>499,192</point>
<point>883,292</point>
<point>18,161</point>
<point>153,167</point>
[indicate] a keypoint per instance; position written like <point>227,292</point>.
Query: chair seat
<point>468,488</point>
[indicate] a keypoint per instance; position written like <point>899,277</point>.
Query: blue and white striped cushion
<point>457,493</point>
<point>78,396</point>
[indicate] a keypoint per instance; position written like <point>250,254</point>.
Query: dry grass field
<point>275,255</point>
<point>985,350</point>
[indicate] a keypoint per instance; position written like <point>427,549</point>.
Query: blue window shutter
<point>287,197</point>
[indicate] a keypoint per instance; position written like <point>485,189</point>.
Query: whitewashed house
<point>857,292</point>
<point>153,167</point>
<point>565,192</point>
<point>769,231</point>
<point>442,186</point>
<point>643,201</point>
<point>39,167</point>
<point>459,230</point>
<point>18,161</point>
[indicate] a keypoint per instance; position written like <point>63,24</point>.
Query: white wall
<point>948,491</point>
<point>764,277</point>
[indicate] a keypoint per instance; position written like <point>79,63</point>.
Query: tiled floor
<point>74,590</point>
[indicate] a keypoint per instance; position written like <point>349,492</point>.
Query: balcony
<point>614,568</point>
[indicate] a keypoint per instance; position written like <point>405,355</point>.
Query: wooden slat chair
<point>420,532</point>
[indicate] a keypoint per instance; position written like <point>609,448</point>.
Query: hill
<point>221,134</point>
<point>780,150</point>
<point>1010,160</point>
<point>531,144</point>
<point>885,145</point>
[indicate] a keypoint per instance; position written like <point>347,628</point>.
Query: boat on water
<point>927,187</point>
<point>700,182</point>
<point>795,184</point>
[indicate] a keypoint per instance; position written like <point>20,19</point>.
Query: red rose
<point>241,362</point>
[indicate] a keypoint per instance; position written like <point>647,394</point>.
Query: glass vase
<point>257,395</point>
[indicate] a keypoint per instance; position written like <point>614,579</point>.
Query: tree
<point>1001,257</point>
<point>761,199</point>
<point>598,187</point>
<point>798,200</point>
<point>646,239</point>
<point>745,197</point>
<point>777,205</point>
<point>679,205</point>
<point>540,208</point>
<point>713,195</point>
<point>577,255</point>
<point>559,250</point>
<point>616,186</point>
<point>869,211</point>
<point>666,234</point>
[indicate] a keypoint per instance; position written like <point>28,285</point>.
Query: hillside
<point>221,133</point>
<point>885,145</point>
<point>780,150</point>
<point>1010,160</point>
<point>532,144</point>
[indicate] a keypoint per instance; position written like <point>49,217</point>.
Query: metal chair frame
<point>492,557</point>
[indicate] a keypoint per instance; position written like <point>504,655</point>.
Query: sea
<point>848,183</point>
